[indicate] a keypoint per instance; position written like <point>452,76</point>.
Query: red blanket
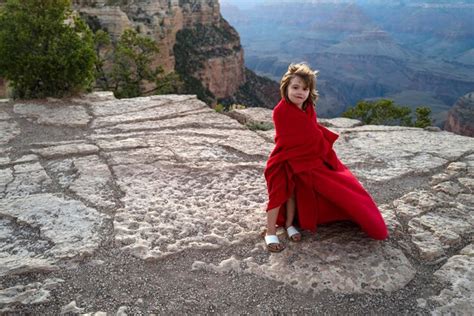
<point>304,163</point>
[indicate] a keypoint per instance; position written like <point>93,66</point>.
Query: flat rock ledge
<point>161,176</point>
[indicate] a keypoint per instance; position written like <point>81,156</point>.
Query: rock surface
<point>461,116</point>
<point>156,204</point>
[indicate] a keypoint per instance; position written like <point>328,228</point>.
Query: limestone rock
<point>252,115</point>
<point>73,116</point>
<point>71,308</point>
<point>177,176</point>
<point>340,122</point>
<point>112,113</point>
<point>92,185</point>
<point>440,217</point>
<point>328,262</point>
<point>67,228</point>
<point>26,179</point>
<point>33,293</point>
<point>6,176</point>
<point>122,311</point>
<point>66,150</point>
<point>458,273</point>
<point>8,131</point>
<point>21,249</point>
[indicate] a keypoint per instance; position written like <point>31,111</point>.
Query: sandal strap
<point>271,239</point>
<point>291,230</point>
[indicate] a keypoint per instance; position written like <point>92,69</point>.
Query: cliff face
<point>461,116</point>
<point>220,68</point>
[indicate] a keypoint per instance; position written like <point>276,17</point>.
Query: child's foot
<point>293,234</point>
<point>273,243</point>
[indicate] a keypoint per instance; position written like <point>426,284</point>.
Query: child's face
<point>297,91</point>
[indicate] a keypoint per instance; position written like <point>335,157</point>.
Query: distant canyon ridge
<point>414,52</point>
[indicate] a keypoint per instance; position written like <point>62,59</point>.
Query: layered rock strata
<point>217,53</point>
<point>164,176</point>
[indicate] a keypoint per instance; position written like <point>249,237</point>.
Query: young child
<point>307,184</point>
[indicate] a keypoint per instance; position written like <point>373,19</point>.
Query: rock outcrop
<point>461,116</point>
<point>134,204</point>
<point>217,58</point>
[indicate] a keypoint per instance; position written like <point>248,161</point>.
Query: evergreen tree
<point>126,67</point>
<point>423,117</point>
<point>386,112</point>
<point>44,49</point>
<point>132,64</point>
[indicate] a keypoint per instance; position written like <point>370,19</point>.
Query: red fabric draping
<point>304,163</point>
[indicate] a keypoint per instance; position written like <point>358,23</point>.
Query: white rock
<point>448,187</point>
<point>122,311</point>
<point>71,228</point>
<point>421,302</point>
<point>27,158</point>
<point>8,131</point>
<point>71,308</point>
<point>340,122</point>
<point>60,115</point>
<point>6,176</point>
<point>468,183</point>
<point>123,112</point>
<point>328,263</point>
<point>458,272</point>
<point>4,116</point>
<point>66,150</point>
<point>457,167</point>
<point>33,293</point>
<point>28,178</point>
<point>252,115</point>
<point>92,181</point>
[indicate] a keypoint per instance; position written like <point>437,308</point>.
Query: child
<point>305,179</point>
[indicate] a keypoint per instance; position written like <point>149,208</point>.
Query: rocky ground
<point>155,205</point>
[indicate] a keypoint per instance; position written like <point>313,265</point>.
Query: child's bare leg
<point>290,216</point>
<point>272,216</point>
<point>290,211</point>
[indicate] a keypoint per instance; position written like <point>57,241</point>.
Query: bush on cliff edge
<point>44,49</point>
<point>386,112</point>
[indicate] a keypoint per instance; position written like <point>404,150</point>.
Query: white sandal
<point>291,231</point>
<point>273,240</point>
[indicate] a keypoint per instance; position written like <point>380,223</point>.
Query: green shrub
<point>259,126</point>
<point>129,70</point>
<point>423,117</point>
<point>44,49</point>
<point>386,112</point>
<point>131,64</point>
<point>219,108</point>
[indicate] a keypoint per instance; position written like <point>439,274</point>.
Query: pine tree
<point>44,49</point>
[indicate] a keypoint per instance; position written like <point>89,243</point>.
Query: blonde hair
<point>308,76</point>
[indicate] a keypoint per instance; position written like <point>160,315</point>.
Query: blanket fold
<point>303,164</point>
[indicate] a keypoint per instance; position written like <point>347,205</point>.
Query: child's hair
<point>303,71</point>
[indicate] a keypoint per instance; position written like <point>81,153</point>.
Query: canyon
<point>414,52</point>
